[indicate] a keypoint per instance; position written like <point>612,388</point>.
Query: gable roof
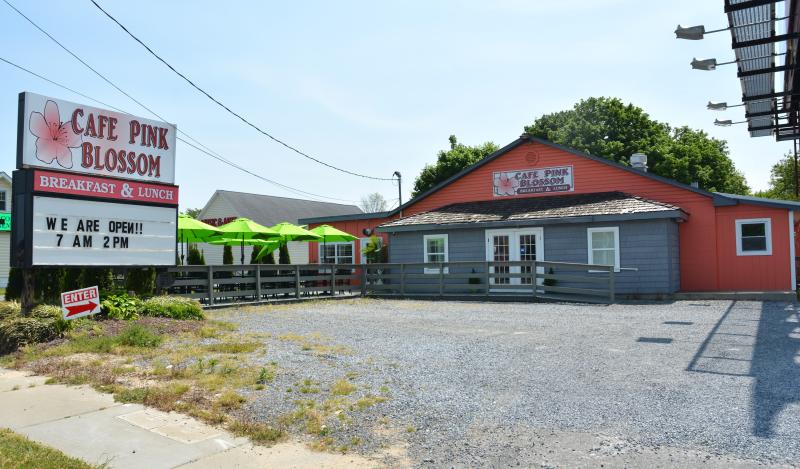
<point>718,198</point>
<point>269,209</point>
<point>520,210</point>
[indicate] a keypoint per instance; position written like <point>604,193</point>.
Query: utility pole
<point>400,188</point>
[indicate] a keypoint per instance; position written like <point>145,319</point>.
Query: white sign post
<point>65,136</point>
<point>78,303</point>
<point>86,233</point>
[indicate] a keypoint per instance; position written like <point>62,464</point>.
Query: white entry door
<point>523,244</point>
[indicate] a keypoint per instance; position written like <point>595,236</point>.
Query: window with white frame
<point>336,253</point>
<point>435,250</point>
<point>754,237</point>
<point>604,246</point>
<point>3,207</point>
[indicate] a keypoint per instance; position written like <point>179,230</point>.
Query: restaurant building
<point>536,200</point>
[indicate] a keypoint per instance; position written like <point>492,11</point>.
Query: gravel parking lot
<point>506,384</point>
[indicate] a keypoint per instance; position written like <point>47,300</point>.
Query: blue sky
<point>372,86</point>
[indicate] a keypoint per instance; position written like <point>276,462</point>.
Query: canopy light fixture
<point>696,33</point>
<point>726,122</point>
<point>720,106</point>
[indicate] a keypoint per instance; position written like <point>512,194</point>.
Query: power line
<point>229,110</point>
<point>205,150</point>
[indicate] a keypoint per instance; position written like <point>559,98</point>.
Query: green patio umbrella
<point>191,230</point>
<point>289,232</point>
<point>330,234</point>
<point>243,229</point>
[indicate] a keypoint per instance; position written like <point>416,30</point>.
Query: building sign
<point>533,181</point>
<point>218,221</point>
<point>79,303</point>
<point>86,233</point>
<point>5,221</point>
<point>104,188</point>
<point>60,135</point>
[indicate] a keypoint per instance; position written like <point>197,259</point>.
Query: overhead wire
<point>206,150</point>
<point>228,109</point>
<point>199,146</point>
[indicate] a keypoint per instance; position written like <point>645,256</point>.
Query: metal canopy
<point>752,25</point>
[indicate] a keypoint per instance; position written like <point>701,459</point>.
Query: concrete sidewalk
<point>89,425</point>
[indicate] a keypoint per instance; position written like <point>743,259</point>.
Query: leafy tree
<point>609,128</point>
<point>193,212</point>
<point>227,255</point>
<point>372,203</point>
<point>450,162</point>
<point>782,180</point>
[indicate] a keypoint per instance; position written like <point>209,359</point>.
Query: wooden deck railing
<point>218,284</point>
<point>215,284</point>
<point>538,279</point>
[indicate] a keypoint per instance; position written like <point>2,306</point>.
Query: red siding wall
<point>753,272</point>
<point>355,228</point>
<point>707,262</point>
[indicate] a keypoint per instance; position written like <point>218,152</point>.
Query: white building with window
<point>5,227</point>
<point>268,210</point>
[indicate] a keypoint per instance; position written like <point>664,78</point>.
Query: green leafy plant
<point>550,282</point>
<point>121,306</point>
<point>9,309</point>
<point>375,251</point>
<point>136,335</point>
<point>174,307</point>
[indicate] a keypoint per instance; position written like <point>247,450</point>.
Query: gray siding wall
<point>651,246</point>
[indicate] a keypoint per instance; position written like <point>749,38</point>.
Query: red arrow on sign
<point>78,309</point>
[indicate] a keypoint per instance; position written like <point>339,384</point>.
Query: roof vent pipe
<point>639,161</point>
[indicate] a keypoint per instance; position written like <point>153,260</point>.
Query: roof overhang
<point>678,215</point>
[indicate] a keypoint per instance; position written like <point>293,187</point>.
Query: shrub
<point>141,281</point>
<point>9,309</point>
<point>195,257</point>
<point>174,307</point>
<point>14,286</point>
<point>283,254</point>
<point>121,306</point>
<point>136,335</point>
<point>227,255</point>
<point>18,331</point>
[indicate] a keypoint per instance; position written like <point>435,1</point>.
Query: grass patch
<point>233,347</point>
<point>369,400</point>
<point>230,400</point>
<point>342,387</point>
<point>138,336</point>
<point>161,397</point>
<point>16,451</point>
<point>259,433</point>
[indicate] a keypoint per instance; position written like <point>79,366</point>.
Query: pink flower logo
<point>54,138</point>
<point>506,185</point>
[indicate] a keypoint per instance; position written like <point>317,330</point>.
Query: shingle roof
<point>269,210</point>
<point>535,208</point>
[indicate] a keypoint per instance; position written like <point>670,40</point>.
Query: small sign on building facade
<point>533,181</point>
